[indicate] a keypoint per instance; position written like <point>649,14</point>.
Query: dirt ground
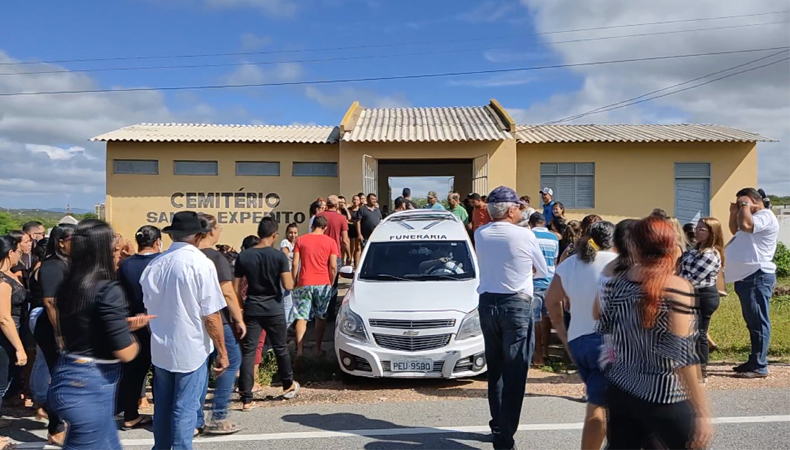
<point>540,384</point>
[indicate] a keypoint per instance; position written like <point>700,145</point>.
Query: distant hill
<point>13,219</point>
<point>73,210</point>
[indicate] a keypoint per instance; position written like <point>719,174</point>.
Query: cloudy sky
<point>46,160</point>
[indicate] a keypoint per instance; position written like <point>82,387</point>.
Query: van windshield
<point>418,261</point>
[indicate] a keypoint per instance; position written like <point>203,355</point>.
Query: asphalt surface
<point>753,419</point>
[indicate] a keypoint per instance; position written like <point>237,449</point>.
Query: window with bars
<point>195,168</point>
<point>315,169</point>
<point>573,183</point>
<point>136,166</point>
<point>257,168</point>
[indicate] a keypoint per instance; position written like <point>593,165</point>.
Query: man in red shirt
<point>336,224</point>
<point>480,215</point>
<point>314,268</point>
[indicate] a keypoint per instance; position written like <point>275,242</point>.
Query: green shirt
<point>460,212</point>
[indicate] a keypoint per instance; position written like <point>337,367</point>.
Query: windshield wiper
<point>385,276</point>
<point>437,276</point>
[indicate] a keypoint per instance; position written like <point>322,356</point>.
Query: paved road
<point>749,419</point>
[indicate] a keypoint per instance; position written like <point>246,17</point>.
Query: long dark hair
<point>250,242</point>
<point>599,233</point>
<point>8,244</point>
<point>59,233</point>
<point>91,262</point>
<point>622,241</point>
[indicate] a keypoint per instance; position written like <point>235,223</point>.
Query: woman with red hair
<point>648,318</point>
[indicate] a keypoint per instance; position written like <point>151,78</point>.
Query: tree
<point>89,216</point>
<point>8,223</point>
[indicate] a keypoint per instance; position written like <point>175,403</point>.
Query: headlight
<point>470,326</point>
<point>351,324</point>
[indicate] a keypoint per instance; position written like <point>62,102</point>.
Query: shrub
<point>782,260</point>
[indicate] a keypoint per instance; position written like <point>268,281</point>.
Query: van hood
<point>413,296</point>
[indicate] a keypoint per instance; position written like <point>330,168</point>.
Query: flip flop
<point>6,444</point>
<point>198,432</point>
<point>223,427</point>
<point>144,420</point>
<point>247,407</point>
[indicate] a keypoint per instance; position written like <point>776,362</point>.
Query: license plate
<point>412,365</point>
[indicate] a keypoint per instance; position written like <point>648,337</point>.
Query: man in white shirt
<point>750,266</point>
<point>181,288</point>
<point>507,255</point>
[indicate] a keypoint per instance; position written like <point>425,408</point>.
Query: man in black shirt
<point>408,204</point>
<point>265,269</point>
<point>369,218</point>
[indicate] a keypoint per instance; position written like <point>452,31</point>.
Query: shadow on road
<point>385,433</point>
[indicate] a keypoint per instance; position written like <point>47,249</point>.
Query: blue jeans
<point>83,394</point>
<point>39,378</point>
<point>585,351</point>
<point>177,398</point>
<point>507,324</point>
<point>223,386</point>
<point>755,293</point>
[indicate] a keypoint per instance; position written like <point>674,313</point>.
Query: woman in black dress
<point>12,297</point>
<point>44,284</point>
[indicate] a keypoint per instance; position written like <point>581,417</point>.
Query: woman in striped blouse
<point>648,319</point>
<point>701,267</point>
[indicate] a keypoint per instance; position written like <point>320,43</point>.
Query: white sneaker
<point>292,392</point>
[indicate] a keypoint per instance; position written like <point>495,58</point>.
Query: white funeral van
<point>411,310</point>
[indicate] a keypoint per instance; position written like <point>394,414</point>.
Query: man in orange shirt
<point>480,215</point>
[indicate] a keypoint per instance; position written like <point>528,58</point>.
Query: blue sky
<point>49,134</point>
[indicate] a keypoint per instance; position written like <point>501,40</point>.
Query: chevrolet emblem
<point>411,333</point>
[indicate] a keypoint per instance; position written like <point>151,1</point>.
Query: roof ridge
<point>225,125</point>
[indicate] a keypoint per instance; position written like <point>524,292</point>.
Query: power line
<point>355,58</point>
<point>620,105</point>
<point>385,78</point>
<point>360,47</point>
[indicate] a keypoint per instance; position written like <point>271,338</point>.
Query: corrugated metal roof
<point>199,132</point>
<point>540,134</point>
<point>428,124</point>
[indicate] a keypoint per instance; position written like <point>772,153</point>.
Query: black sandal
<point>144,420</point>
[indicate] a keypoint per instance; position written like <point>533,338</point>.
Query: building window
<point>315,169</point>
<point>692,191</point>
<point>573,183</point>
<point>257,168</point>
<point>136,166</point>
<point>195,168</point>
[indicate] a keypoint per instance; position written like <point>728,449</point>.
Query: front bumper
<point>455,360</point>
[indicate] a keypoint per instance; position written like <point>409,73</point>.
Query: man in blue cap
<point>507,255</point>
<point>547,194</point>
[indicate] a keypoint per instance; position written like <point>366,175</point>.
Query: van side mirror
<point>347,272</point>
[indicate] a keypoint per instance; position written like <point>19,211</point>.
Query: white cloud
<point>252,42</point>
<point>498,80</point>
<point>487,12</point>
<point>45,159</point>
<point>758,101</point>
<point>280,8</point>
<point>251,74</point>
<point>344,97</point>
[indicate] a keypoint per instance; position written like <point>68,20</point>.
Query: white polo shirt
<point>507,254</point>
<point>747,253</point>
<point>180,287</point>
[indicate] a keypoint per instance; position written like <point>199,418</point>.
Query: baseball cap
<point>547,190</point>
<point>432,194</point>
<point>504,194</point>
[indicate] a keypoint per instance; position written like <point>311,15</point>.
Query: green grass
<point>728,329</point>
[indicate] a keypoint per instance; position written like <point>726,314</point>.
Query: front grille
<point>412,343</point>
<point>412,324</point>
<point>362,364</point>
<point>386,366</point>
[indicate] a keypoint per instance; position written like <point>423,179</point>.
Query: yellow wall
<point>632,178</point>
<point>501,165</point>
<point>136,200</point>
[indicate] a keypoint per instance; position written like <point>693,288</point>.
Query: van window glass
<point>418,261</point>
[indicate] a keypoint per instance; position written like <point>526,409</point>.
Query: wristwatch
<point>743,203</point>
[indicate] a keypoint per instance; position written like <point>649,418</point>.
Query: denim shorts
<point>539,305</point>
<point>585,351</point>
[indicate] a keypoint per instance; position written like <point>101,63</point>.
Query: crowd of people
<point>631,302</point>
